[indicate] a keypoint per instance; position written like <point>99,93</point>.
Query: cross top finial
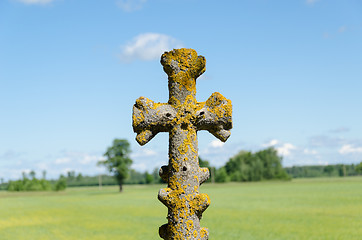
<point>183,66</point>
<point>184,61</point>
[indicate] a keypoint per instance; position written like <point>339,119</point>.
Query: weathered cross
<point>182,117</point>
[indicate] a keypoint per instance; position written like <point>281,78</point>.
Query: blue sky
<point>70,72</point>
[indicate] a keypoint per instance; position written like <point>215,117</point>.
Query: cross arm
<point>150,118</point>
<point>215,116</point>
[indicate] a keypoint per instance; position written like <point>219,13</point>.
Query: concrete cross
<point>182,117</point>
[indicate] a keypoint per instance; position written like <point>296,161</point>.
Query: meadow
<point>324,208</point>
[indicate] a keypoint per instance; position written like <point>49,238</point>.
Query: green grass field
<point>300,209</point>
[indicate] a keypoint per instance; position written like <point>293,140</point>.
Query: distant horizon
<point>106,173</point>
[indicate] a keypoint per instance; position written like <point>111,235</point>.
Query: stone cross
<point>182,117</point>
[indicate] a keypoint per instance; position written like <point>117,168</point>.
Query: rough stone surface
<point>182,117</point>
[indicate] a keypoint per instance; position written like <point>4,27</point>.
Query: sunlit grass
<point>300,209</point>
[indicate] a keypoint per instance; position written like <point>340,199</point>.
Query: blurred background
<point>70,72</point>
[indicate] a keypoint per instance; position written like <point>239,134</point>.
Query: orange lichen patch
<point>219,105</point>
<point>200,202</point>
<point>137,119</point>
<point>176,183</point>
<point>183,66</point>
<point>189,225</point>
<point>143,136</point>
<point>175,164</point>
<point>191,101</point>
<point>187,60</point>
<point>188,142</point>
<point>200,105</point>
<point>203,232</point>
<point>174,102</point>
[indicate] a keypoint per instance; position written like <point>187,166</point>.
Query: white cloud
<point>348,148</point>
<point>40,2</point>
<point>149,152</point>
<point>78,157</point>
<point>66,170</point>
<point>285,149</point>
<point>147,47</point>
<point>88,159</point>
<point>216,143</point>
<point>310,152</point>
<point>26,171</point>
<point>272,143</point>
<point>282,148</point>
<point>148,159</point>
<point>131,5</point>
<point>144,152</point>
<point>62,160</point>
<point>42,166</point>
<point>140,167</point>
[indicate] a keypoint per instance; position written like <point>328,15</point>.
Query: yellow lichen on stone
<point>188,142</point>
<point>182,117</point>
<point>219,105</point>
<point>174,102</point>
<point>141,137</point>
<point>183,66</point>
<point>195,234</point>
<point>189,225</point>
<point>203,232</point>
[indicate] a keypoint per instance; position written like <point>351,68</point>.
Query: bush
<point>221,175</point>
<point>60,185</point>
<point>29,185</point>
<point>262,165</point>
<point>33,184</point>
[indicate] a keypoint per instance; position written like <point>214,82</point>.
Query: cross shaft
<point>182,117</point>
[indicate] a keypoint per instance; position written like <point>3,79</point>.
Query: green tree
<point>221,175</point>
<point>79,177</point>
<point>117,160</point>
<point>272,164</point>
<point>328,170</point>
<point>25,176</point>
<point>262,165</point>
<point>61,184</point>
<point>149,178</point>
<point>342,171</point>
<point>239,167</point>
<point>32,174</point>
<point>358,168</point>
<point>71,175</point>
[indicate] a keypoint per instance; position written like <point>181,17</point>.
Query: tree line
<point>245,166</point>
<point>336,170</point>
<point>29,182</point>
